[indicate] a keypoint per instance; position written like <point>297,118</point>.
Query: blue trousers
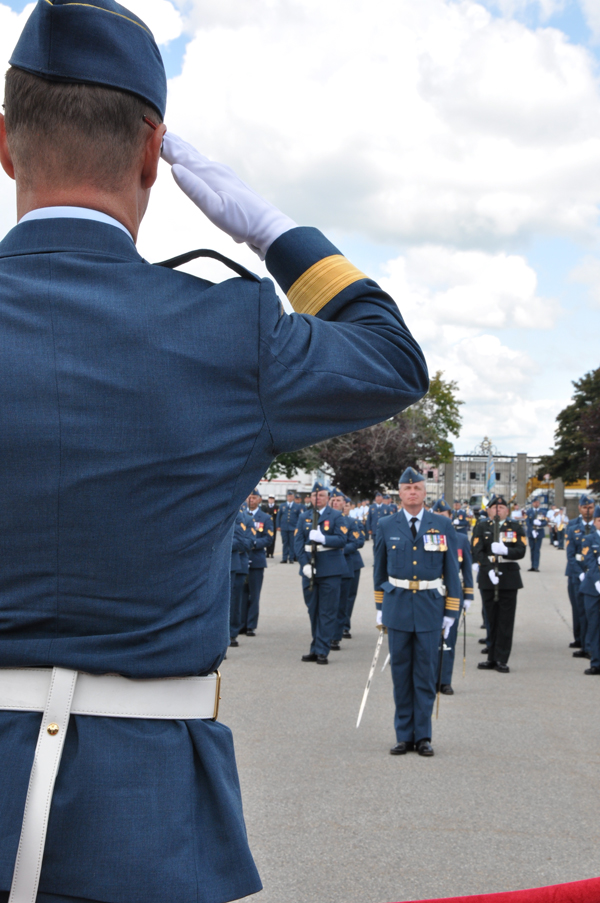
<point>287,542</point>
<point>583,620</point>
<point>352,598</point>
<point>340,621</point>
<point>251,599</point>
<point>322,603</point>
<point>534,549</point>
<point>573,589</point>
<point>592,610</point>
<point>414,660</point>
<point>235,604</point>
<point>449,654</point>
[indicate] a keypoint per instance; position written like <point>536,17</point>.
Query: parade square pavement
<point>509,801</point>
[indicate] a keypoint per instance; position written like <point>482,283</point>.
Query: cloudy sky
<point>451,149</point>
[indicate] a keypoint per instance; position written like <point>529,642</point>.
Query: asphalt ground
<point>509,801</point>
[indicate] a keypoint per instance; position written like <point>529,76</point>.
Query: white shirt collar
<point>74,213</point>
<point>419,516</point>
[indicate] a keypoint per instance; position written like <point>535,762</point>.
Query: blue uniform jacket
<point>398,555</point>
<point>287,516</point>
<point>131,434</point>
<point>536,514</point>
<point>575,536</point>
<point>375,513</point>
<point>460,521</point>
<point>263,537</point>
<point>465,564</point>
<point>589,553</point>
<point>243,537</point>
<point>355,541</point>
<point>330,563</point>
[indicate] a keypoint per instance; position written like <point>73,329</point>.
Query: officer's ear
<point>152,150</point>
<point>5,157</point>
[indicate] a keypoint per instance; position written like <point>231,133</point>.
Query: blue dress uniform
<point>376,512</point>
<point>589,591</point>
<point>243,537</point>
<point>323,599</point>
<point>131,433</point>
<point>354,560</point>
<point>287,520</point>
<point>535,542</point>
<point>460,521</point>
<point>465,566</point>
<point>263,536</point>
<point>577,530</point>
<point>414,616</point>
<point>391,506</point>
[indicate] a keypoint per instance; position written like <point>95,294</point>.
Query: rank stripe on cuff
<point>321,283</point>
<point>378,596</point>
<point>453,605</point>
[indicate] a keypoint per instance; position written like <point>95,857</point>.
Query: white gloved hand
<point>307,571</point>
<point>534,534</point>
<point>475,569</point>
<point>227,201</point>
<point>498,548</point>
<point>582,577</point>
<point>493,578</point>
<point>457,521</point>
<point>316,536</point>
<point>556,543</point>
<point>378,621</point>
<point>447,626</point>
<point>467,604</point>
<point>537,522</point>
<point>598,559</point>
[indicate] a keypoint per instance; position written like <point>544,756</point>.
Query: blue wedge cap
<point>410,475</point>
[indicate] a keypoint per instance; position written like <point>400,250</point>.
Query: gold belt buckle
<point>413,584</point>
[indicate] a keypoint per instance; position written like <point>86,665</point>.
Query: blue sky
<point>450,149</point>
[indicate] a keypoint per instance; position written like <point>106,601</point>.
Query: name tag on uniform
<point>508,536</point>
<point>435,542</point>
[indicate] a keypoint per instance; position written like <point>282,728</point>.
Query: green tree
<point>569,458</point>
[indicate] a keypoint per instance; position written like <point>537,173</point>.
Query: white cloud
<point>587,272</point>
<point>164,21</point>
<point>546,8</point>
<point>591,12</point>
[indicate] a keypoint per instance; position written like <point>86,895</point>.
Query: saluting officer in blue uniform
<point>322,600</point>
<point>590,590</point>
<point>417,595</point>
<point>263,536</point>
<point>536,519</point>
<point>376,511</point>
<point>287,520</point>
<point>466,596</point>
<point>577,530</point>
<point>460,519</point>
<point>139,406</point>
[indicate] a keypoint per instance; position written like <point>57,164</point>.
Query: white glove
<point>597,585</point>
<point>316,536</point>
<point>447,626</point>
<point>227,201</point>
<point>537,522</point>
<point>307,571</point>
<point>534,534</point>
<point>556,543</point>
<point>457,521</point>
<point>493,578</point>
<point>598,559</point>
<point>475,569</point>
<point>378,621</point>
<point>467,604</point>
<point>498,548</point>
<point>582,577</point>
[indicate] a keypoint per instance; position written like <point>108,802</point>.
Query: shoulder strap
<point>204,252</point>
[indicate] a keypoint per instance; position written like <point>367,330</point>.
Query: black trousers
<point>501,618</point>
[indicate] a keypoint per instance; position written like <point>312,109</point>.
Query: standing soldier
<point>287,518</point>
<point>376,511</point>
<point>535,532</point>
<point>590,590</point>
<point>356,540</point>
<point>466,597</point>
<point>263,536</point>
<point>390,505</point>
<point>497,546</point>
<point>243,536</point>
<point>577,530</point>
<point>321,570</point>
<point>460,518</point>
<point>271,508</point>
<point>417,596</point>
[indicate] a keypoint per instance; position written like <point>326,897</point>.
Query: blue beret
<point>441,505</point>
<point>411,476</point>
<point>586,500</point>
<point>95,43</point>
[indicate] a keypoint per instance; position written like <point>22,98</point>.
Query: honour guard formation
<point>134,544</point>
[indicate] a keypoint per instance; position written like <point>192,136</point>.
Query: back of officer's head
<point>73,134</point>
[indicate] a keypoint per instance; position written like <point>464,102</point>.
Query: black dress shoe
<point>334,646</point>
<point>311,657</point>
<point>346,635</point>
<point>402,748</point>
<point>243,630</point>
<point>575,645</point>
<point>233,642</point>
<point>592,670</point>
<point>581,654</point>
<point>447,690</point>
<point>502,667</point>
<point>250,632</point>
<point>486,666</point>
<point>322,660</point>
<point>483,642</point>
<point>485,650</point>
<point>424,748</point>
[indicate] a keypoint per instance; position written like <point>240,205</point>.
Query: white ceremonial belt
<point>309,548</point>
<point>417,584</point>
<point>60,692</point>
